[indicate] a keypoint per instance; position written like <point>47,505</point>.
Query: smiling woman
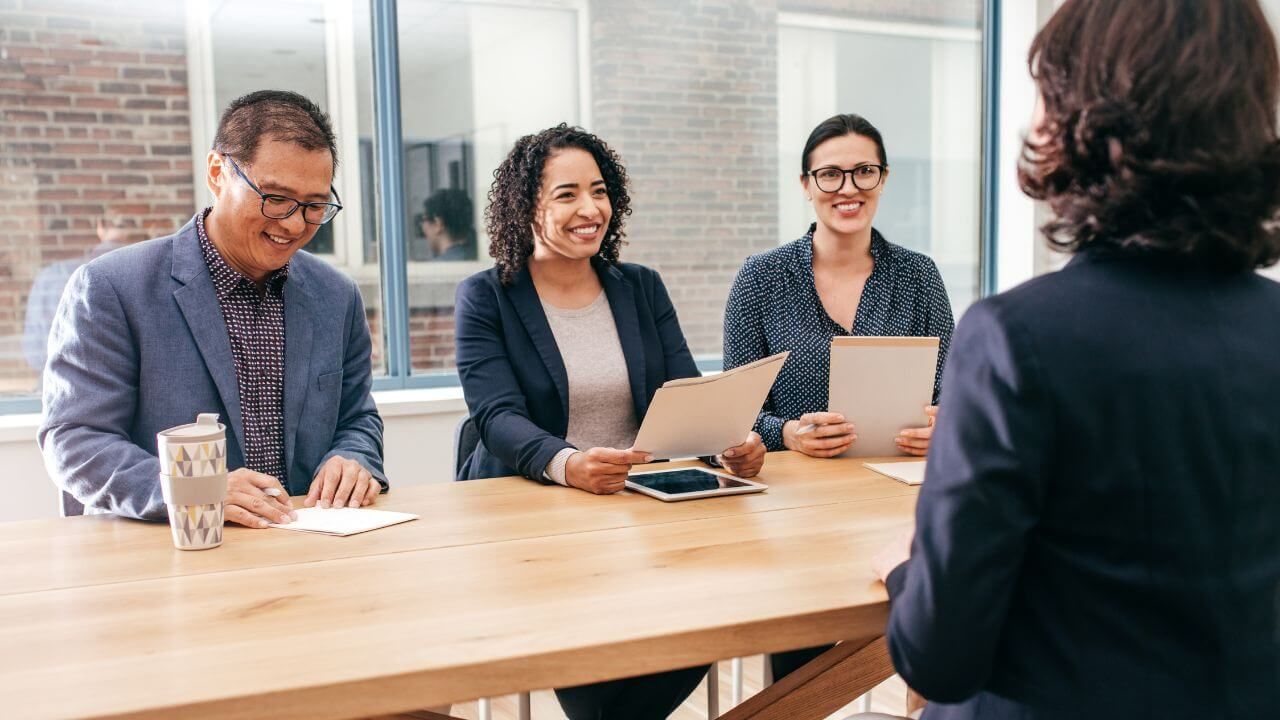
<point>518,200</point>
<point>561,347</point>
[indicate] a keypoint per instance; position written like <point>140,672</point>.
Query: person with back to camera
<point>1097,533</point>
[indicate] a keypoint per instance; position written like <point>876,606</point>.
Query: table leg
<point>824,685</point>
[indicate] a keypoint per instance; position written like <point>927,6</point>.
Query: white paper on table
<point>910,472</point>
<point>344,521</point>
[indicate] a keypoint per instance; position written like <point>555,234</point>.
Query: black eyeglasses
<point>830,178</point>
<point>279,207</point>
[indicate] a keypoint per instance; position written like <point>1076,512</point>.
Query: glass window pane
<point>473,78</point>
<point>709,107</point>
<point>107,116</point>
<point>928,111</point>
<point>318,48</point>
<point>95,152</point>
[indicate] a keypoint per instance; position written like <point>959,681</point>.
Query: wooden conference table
<point>502,586</point>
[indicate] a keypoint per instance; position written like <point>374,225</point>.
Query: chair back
<point>465,439</point>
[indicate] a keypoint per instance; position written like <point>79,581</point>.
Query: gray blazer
<point>139,345</point>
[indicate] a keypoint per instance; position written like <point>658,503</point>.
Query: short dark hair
<point>1159,130</point>
<point>277,115</point>
<point>839,126</point>
<point>513,197</point>
<point>453,207</point>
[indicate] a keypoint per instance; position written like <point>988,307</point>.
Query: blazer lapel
<point>622,302</point>
<point>198,302</point>
<point>524,297</point>
<point>297,360</point>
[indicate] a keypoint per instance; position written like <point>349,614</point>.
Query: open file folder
<point>704,415</point>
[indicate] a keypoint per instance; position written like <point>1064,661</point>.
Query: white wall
<point>806,97</point>
<point>418,450</point>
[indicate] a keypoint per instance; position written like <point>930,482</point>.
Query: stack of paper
<point>910,472</point>
<point>344,521</point>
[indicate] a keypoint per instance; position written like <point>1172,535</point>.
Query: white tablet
<point>690,483</point>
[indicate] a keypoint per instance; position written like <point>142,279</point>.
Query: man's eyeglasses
<point>279,207</point>
<point>830,178</point>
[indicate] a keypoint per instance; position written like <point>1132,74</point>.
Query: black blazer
<point>1098,534</point>
<point>513,376</point>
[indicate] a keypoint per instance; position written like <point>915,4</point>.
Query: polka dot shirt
<point>774,306</point>
<point>255,326</point>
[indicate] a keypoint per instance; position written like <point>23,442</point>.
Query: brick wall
<point>95,121</point>
<point>686,92</point>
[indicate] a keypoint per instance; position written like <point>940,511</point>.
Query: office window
<point>708,104</point>
<point>108,113</point>
<point>96,152</point>
<point>474,77</point>
<point>928,109</point>
<point>320,49</point>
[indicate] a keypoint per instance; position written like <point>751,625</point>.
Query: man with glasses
<point>223,316</point>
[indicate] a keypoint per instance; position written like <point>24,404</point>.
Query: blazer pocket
<point>329,381</point>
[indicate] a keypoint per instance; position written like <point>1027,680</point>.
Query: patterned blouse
<point>774,306</point>
<point>255,326</point>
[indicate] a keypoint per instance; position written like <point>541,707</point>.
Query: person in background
<point>1096,535</point>
<point>447,224</point>
<point>46,290</point>
<point>561,347</point>
<point>842,277</point>
<point>224,316</point>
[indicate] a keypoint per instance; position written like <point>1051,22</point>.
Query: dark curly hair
<point>513,197</point>
<point>1159,131</point>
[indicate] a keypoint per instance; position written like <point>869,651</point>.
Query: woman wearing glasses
<point>842,277</point>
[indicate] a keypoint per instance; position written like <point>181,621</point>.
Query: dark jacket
<point>1098,534</point>
<point>513,376</point>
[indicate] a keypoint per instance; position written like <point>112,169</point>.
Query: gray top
<point>601,412</point>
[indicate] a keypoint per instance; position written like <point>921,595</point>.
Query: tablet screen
<point>677,482</point>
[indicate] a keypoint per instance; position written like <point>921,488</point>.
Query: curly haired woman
<point>1097,533</point>
<point>560,348</point>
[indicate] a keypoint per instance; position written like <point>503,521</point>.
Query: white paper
<point>344,521</point>
<point>910,472</point>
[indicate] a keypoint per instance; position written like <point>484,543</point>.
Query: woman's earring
<point>809,198</point>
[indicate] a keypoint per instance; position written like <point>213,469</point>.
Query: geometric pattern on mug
<point>196,525</point>
<point>197,459</point>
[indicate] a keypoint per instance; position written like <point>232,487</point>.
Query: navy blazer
<point>140,345</point>
<point>1098,534</point>
<point>513,376</point>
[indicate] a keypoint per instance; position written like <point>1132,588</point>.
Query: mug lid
<point>206,425</point>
